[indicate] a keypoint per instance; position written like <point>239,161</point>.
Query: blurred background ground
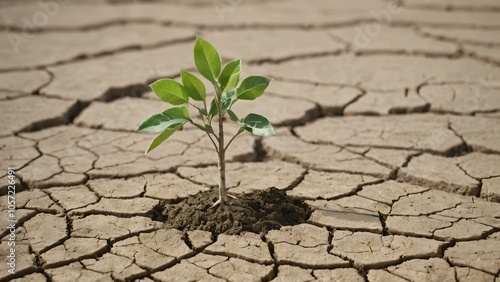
<point>386,116</point>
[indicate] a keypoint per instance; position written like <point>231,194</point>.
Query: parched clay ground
<point>387,123</point>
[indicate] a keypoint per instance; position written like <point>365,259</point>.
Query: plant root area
<point>256,212</point>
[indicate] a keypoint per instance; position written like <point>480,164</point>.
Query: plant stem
<point>222,151</point>
<point>222,163</point>
<point>230,141</point>
<point>213,142</point>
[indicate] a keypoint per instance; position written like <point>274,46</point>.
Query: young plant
<point>225,81</point>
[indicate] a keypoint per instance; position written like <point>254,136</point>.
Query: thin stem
<point>230,141</point>
<point>222,151</point>
<point>205,105</point>
<point>213,142</point>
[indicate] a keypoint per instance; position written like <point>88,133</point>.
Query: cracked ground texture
<point>387,117</point>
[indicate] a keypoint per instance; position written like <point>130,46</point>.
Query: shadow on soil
<point>256,212</point>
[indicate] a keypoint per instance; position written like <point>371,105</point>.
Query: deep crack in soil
<point>256,212</point>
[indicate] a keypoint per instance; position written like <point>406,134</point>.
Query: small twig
<point>213,142</point>
<point>227,146</point>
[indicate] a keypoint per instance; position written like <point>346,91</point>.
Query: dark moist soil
<point>256,212</point>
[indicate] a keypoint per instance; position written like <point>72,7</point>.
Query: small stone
<point>248,246</point>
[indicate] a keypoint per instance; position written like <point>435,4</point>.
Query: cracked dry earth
<point>391,137</point>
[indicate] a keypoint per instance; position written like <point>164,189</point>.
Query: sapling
<point>225,81</point>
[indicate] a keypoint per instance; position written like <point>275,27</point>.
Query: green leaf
<point>230,75</point>
<point>202,111</point>
<point>162,137</point>
<point>207,60</point>
<point>213,108</point>
<point>227,98</point>
<point>233,116</point>
<point>170,91</point>
<point>253,87</point>
<point>257,125</point>
<point>167,119</point>
<point>204,128</point>
<point>194,86</point>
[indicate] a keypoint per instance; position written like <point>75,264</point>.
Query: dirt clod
<point>254,212</point>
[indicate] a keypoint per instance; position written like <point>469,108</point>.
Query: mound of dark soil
<point>255,212</point>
